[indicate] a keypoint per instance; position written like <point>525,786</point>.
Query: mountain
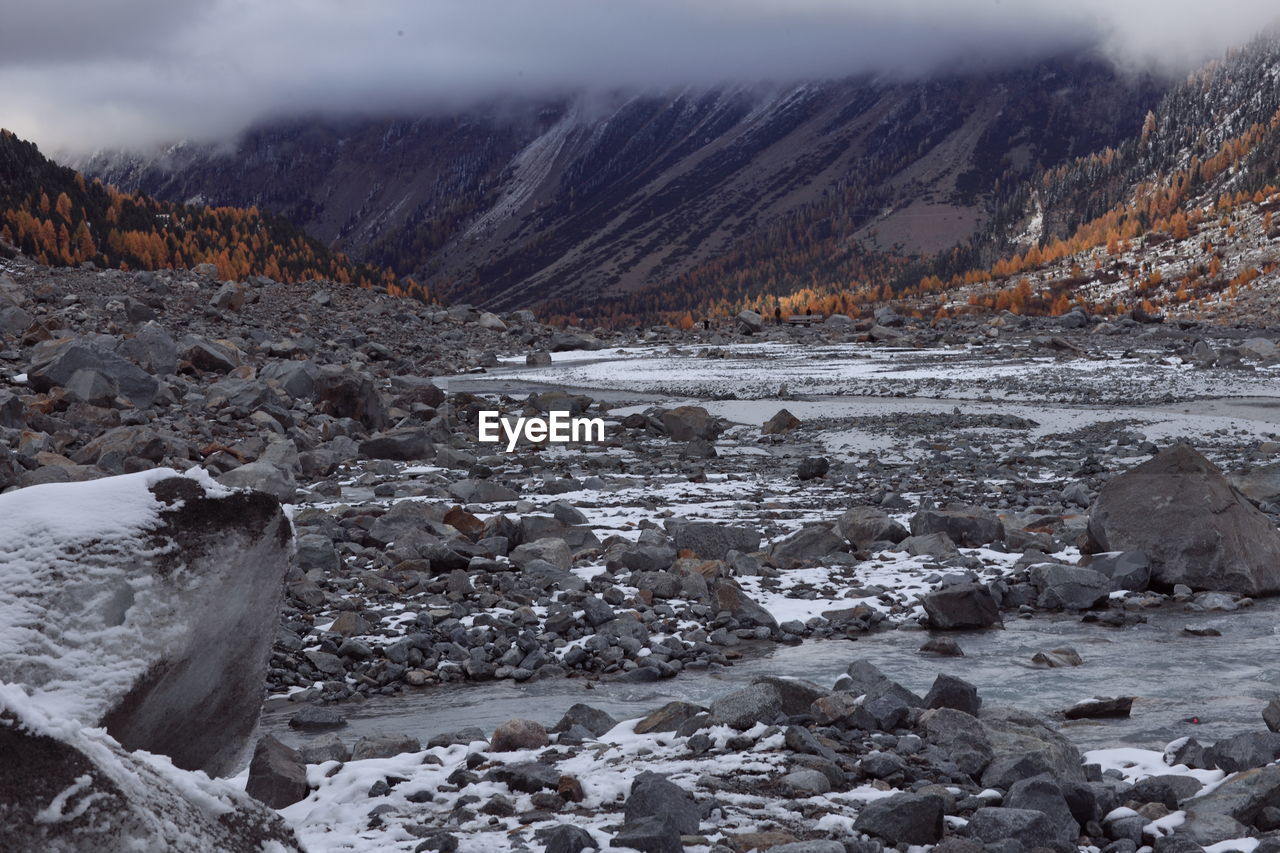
<point>634,201</point>
<point>54,215</point>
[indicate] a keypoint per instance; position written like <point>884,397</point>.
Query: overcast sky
<point>79,75</point>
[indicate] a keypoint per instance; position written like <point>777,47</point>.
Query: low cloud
<point>80,76</point>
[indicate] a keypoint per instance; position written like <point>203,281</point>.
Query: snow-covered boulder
<point>64,788</point>
<point>146,604</point>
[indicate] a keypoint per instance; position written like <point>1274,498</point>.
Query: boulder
<point>402,445</point>
<point>969,527</point>
<point>780,423</point>
<point>277,774</point>
<point>68,788</point>
<point>743,708</point>
<point>1195,528</point>
<point>146,604</point>
<point>1129,570</point>
<point>712,540</point>
<point>1069,587</point>
<point>685,423</point>
<point>206,355</point>
<point>262,476</point>
<point>518,734</point>
<point>749,321</point>
<point>903,819</point>
<point>346,394</point>
<point>1029,828</point>
<point>863,525</point>
<point>960,606</point>
<point>1024,746</point>
<point>1240,799</point>
<point>653,795</point>
<point>56,365</point>
<point>807,543</point>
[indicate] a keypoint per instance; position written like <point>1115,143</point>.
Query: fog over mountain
<point>79,77</point>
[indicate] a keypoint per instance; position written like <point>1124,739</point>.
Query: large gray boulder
<point>65,789</point>
<point>146,604</point>
<point>968,527</point>
<point>1233,805</point>
<point>1069,587</point>
<point>712,540</point>
<point>685,423</point>
<point>55,363</point>
<point>1195,528</point>
<point>961,606</point>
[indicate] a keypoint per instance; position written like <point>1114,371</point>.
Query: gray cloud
<point>79,75</point>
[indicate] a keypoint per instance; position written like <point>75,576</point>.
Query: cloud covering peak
<point>80,75</point>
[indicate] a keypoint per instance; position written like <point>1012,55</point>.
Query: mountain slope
<point>584,199</point>
<point>52,214</point>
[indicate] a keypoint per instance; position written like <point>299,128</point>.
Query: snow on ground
<point>753,371</point>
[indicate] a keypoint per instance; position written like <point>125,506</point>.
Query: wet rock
<point>1069,587</point>
<point>138,643</point>
<point>903,819</point>
<point>1179,510</point>
<point>1235,804</point>
<point>1271,715</point>
<point>110,799</point>
<point>1058,658</point>
<point>942,646</point>
<point>316,717</point>
<point>277,774</point>
<point>966,605</point>
<point>1100,708</point>
<point>743,708</point>
<point>951,692</point>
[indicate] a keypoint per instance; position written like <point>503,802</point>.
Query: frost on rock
<point>66,788</point>
<point>145,604</point>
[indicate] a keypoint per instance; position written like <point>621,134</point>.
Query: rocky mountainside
<point>582,198</point>
<point>53,215</point>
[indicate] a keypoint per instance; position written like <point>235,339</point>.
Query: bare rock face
<point>145,604</point>
<point>1194,526</point>
<point>64,789</point>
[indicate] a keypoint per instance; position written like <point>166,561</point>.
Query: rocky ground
<point>756,485</point>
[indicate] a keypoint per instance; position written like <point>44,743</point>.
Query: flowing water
<point>1223,681</point>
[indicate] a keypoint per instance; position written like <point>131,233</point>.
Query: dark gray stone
<point>961,606</point>
<point>903,818</point>
<point>277,774</point>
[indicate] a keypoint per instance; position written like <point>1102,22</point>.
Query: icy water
<point>1224,681</point>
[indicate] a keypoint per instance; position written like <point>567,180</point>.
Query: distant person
<point>777,315</point>
<point>808,312</point>
<point>706,324</point>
